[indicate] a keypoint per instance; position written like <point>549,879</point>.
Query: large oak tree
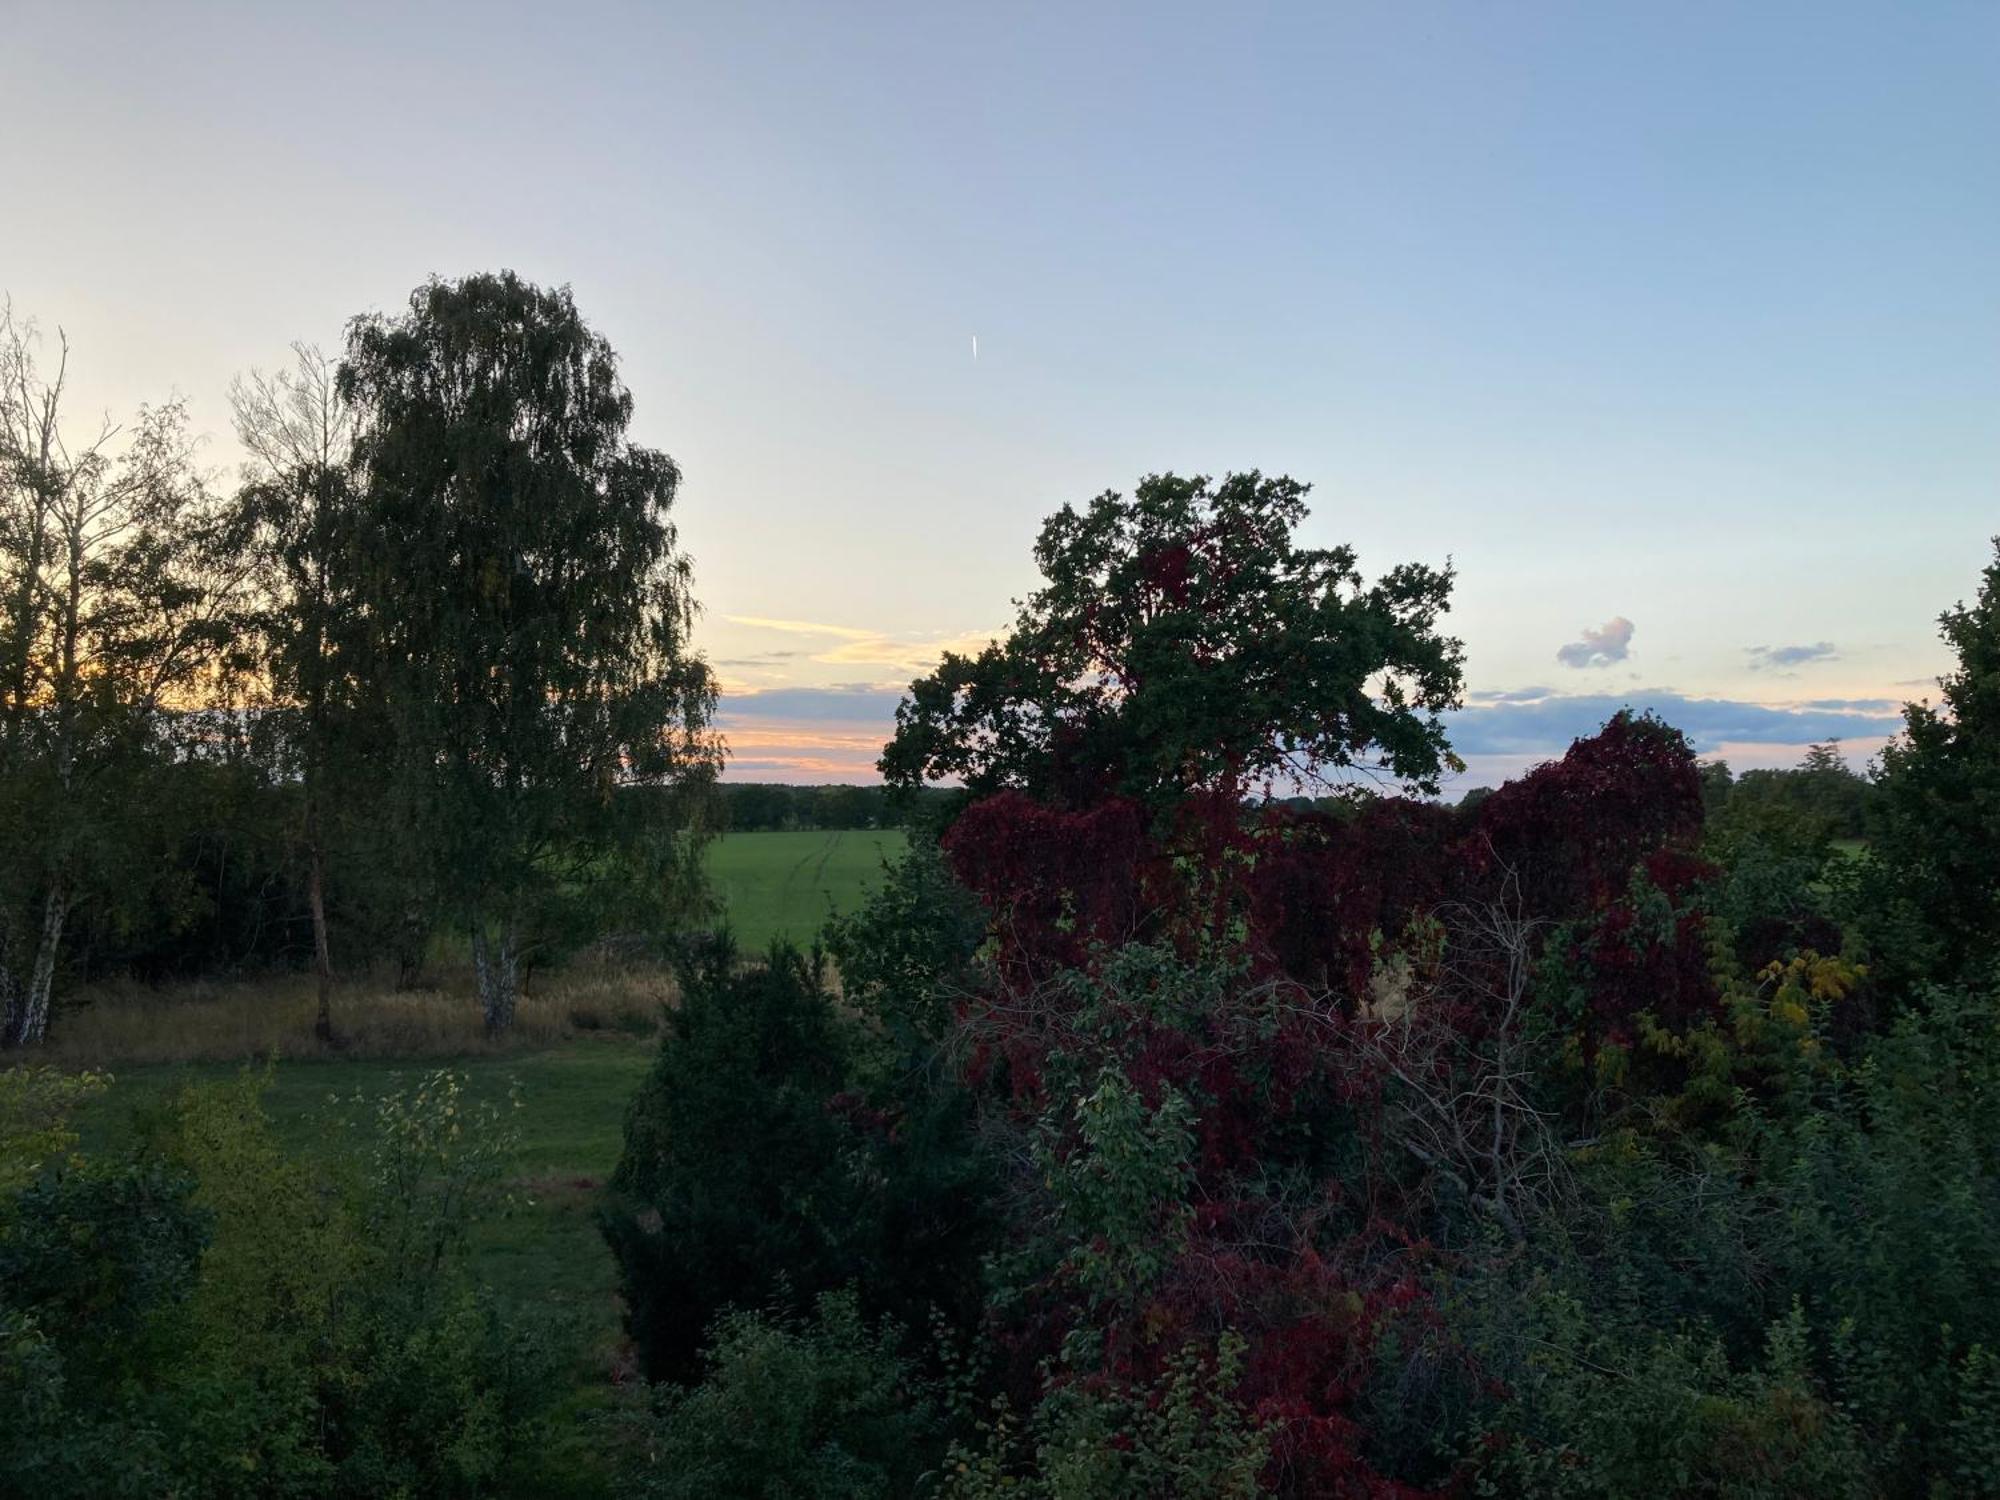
<point>1183,641</point>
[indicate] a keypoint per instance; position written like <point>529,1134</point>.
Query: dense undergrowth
<point>1596,1138</point>
<point>1539,1187</point>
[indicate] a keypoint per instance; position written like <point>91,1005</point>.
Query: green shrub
<point>35,1108</point>
<point>1121,1190</point>
<point>735,1175</point>
<point>341,1342</point>
<point>1886,1225</point>
<point>825,1409</point>
<point>753,1175</point>
<point>1968,1467</point>
<point>220,1318</point>
<point>1807,1276</point>
<point>1605,1413</point>
<point>904,957</point>
<point>1181,1437</point>
<point>97,1263</point>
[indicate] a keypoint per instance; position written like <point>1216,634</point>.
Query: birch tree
<point>295,509</point>
<point>119,583</point>
<point>526,609</point>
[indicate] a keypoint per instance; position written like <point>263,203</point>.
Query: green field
<point>545,1253</point>
<point>787,884</point>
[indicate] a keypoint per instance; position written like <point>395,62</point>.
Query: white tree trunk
<point>322,958</point>
<point>35,1005</point>
<point>498,967</point>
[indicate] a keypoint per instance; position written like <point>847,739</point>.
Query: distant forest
<point>773,807</point>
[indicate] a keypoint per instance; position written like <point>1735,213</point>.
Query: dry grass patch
<point>210,1021</point>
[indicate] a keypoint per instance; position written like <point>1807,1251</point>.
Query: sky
<point>1675,328</point>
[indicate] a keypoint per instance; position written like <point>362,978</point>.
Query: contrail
<point>975,346</point>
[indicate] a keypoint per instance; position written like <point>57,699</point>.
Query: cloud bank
<point>835,733</point>
<point>1510,725</point>
<point>849,646</point>
<point>854,702</point>
<point>1764,658</point>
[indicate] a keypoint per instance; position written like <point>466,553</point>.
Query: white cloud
<point>1610,642</point>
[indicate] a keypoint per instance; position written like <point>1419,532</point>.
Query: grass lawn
<point>547,1252</point>
<point>788,884</point>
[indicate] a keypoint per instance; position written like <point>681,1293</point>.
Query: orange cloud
<point>871,648</point>
<point>780,751</point>
<point>814,736</point>
<point>803,627</point>
<point>909,656</point>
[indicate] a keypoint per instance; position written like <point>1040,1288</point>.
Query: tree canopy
<point>119,602</point>
<point>1183,641</point>
<point>1939,833</point>
<point>525,604</point>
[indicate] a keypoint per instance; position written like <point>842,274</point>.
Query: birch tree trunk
<point>498,967</point>
<point>315,827</point>
<point>120,582</point>
<point>35,1005</point>
<point>322,957</point>
<point>299,433</point>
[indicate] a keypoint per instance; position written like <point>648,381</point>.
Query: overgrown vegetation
<point>1623,1131</point>
<point>211,1311</point>
<point>1198,1107</point>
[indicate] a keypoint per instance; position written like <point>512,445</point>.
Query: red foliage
<point>1168,571</point>
<point>1303,1377</point>
<point>1055,882</point>
<point>1642,958</point>
<point>1594,847</point>
<point>1572,830</point>
<point>1321,888</point>
<point>1312,1337</point>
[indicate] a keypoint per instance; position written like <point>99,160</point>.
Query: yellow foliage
<point>1796,995</point>
<point>35,1106</point>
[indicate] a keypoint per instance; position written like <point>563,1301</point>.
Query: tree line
<point>425,667</point>
<point>773,807</point>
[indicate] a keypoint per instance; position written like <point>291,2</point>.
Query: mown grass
<point>544,1256</point>
<point>786,885</point>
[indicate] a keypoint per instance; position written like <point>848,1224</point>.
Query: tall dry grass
<point>228,1021</point>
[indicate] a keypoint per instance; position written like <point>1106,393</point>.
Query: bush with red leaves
<point>1321,889</point>
<point>1570,832</point>
<point>1213,1063</point>
<point>1055,884</point>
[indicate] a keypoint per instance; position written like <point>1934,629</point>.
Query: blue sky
<point>1677,327</point>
